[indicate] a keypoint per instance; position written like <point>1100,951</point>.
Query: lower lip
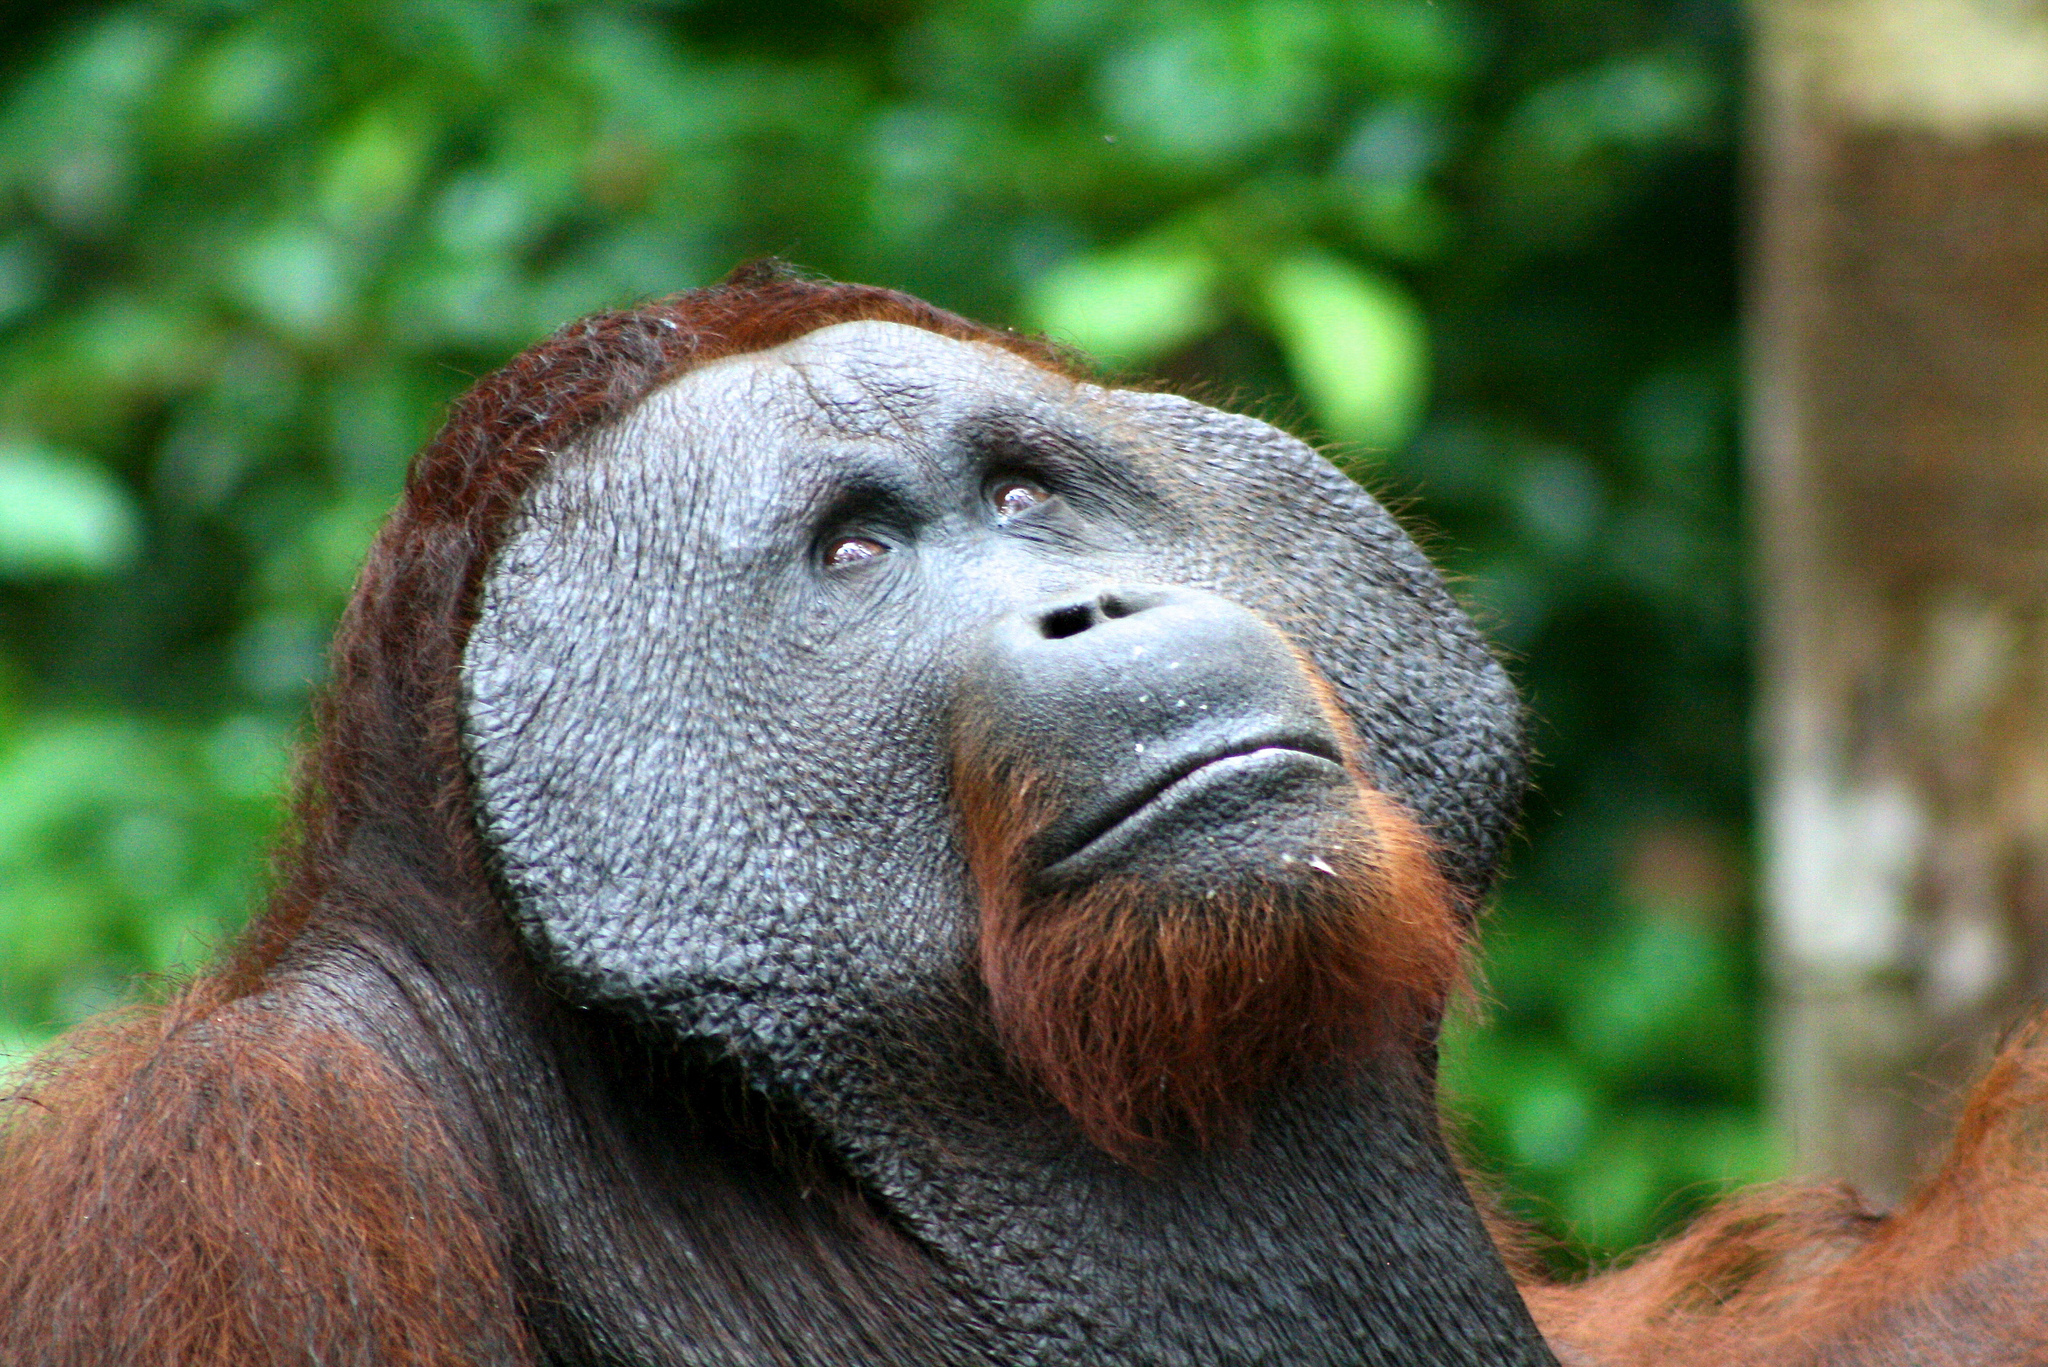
<point>1263,765</point>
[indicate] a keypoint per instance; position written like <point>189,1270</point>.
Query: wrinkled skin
<point>703,753</point>
<point>708,707</point>
<point>831,841</point>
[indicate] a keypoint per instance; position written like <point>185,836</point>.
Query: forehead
<point>716,475</point>
<point>859,379</point>
<point>746,449</point>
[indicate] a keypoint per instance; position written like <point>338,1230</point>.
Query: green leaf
<point>375,167</point>
<point>25,270</point>
<point>243,81</point>
<point>296,278</point>
<point>62,771</point>
<point>1207,88</point>
<point>1128,306</point>
<point>1356,344</point>
<point>61,515</point>
<point>1413,44</point>
<point>1633,102</point>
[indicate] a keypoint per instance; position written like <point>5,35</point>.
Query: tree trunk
<point>1899,434</point>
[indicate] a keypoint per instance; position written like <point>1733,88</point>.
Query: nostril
<point>1116,605</point>
<point>1071,620</point>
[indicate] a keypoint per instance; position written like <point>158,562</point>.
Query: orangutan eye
<point>1014,496</point>
<point>854,550</point>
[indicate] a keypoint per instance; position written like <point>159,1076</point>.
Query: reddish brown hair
<point>1149,1013</point>
<point>217,1181</point>
<point>229,1181</point>
<point>1809,1277</point>
<point>243,1190</point>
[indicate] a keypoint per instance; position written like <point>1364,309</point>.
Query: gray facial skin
<point>713,769</point>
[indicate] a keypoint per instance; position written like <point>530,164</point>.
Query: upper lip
<point>1094,819</point>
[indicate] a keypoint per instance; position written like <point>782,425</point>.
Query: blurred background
<point>1486,250</point>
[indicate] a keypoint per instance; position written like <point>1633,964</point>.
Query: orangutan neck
<point>1337,1231</point>
<point>665,1213</point>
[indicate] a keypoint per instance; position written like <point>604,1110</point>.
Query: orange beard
<point>1151,1013</point>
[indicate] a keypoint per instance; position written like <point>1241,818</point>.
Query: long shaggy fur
<point>226,1182</point>
<point>220,1183</point>
<point>241,1189</point>
<point>1153,1013</point>
<point>1807,1277</point>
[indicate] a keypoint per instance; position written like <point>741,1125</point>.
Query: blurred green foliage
<point>249,251</point>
